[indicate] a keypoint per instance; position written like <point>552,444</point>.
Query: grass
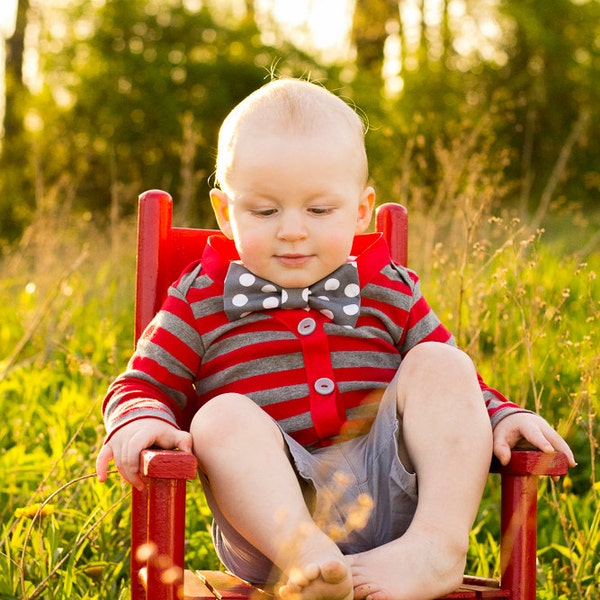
<point>526,306</point>
<point>524,303</point>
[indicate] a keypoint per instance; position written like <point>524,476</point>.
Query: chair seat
<point>216,585</point>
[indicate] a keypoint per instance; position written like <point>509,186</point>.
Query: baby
<point>318,377</point>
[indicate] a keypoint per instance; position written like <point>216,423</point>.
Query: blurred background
<point>105,98</point>
<point>483,118</point>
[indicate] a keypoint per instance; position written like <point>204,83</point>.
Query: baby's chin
<point>298,282</point>
<point>293,274</point>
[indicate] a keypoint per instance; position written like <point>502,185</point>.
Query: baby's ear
<point>220,204</point>
<point>365,209</point>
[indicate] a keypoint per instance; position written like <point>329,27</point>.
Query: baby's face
<point>293,204</point>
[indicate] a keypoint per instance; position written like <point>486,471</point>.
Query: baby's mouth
<point>293,260</point>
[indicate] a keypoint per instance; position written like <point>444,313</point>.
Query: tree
<point>133,95</point>
<point>552,75</point>
<point>14,165</point>
<point>537,72</point>
<point>370,31</point>
<point>16,89</point>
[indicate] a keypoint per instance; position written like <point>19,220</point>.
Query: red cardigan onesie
<point>321,381</point>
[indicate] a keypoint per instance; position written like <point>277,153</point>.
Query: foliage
<point>133,95</point>
<point>533,65</point>
<point>523,303</point>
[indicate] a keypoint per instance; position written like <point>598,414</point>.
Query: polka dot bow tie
<point>337,296</point>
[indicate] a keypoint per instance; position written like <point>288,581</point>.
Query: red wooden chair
<point>158,513</point>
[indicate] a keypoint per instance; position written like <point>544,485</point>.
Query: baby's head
<point>292,171</point>
<point>294,107</point>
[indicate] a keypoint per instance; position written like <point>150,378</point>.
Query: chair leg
<point>519,535</point>
<point>139,537</point>
<point>157,539</point>
<point>166,538</point>
<point>158,524</point>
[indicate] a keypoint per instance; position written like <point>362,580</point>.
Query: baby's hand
<point>126,444</point>
<point>532,428</point>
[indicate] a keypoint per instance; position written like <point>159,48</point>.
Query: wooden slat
<point>226,586</point>
<point>489,593</point>
<point>482,581</point>
<point>461,593</point>
<point>195,588</point>
<point>482,592</point>
<point>216,585</point>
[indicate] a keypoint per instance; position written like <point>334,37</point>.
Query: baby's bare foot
<point>332,581</point>
<point>417,566</point>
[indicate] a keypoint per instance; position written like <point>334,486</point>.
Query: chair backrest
<point>163,251</point>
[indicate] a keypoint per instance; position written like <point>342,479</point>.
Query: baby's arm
<point>125,445</point>
<point>532,428</point>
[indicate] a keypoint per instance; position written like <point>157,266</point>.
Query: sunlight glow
<point>318,25</point>
<point>8,16</point>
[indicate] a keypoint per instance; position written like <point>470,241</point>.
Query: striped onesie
<point>321,381</point>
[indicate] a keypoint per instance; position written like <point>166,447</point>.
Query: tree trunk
<point>15,88</point>
<point>369,32</point>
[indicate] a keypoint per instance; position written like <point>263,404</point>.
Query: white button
<point>307,326</point>
<point>324,386</point>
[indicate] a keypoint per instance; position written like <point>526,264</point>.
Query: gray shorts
<point>358,491</point>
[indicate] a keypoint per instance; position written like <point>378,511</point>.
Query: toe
<point>334,572</point>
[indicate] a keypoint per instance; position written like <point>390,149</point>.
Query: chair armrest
<point>174,464</point>
<point>532,462</point>
<point>168,464</point>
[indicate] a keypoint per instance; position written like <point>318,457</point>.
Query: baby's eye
<point>320,210</point>
<point>264,212</point>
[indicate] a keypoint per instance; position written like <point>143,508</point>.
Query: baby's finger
<point>548,440</point>
<point>539,440</point>
<point>130,469</point>
<point>559,444</point>
<point>184,442</point>
<point>104,457</point>
<point>502,451</point>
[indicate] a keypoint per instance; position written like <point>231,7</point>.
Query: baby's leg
<point>447,440</point>
<point>245,459</point>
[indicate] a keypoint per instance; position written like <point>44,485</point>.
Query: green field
<point>525,304</point>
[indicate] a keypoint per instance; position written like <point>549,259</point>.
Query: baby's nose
<point>292,227</point>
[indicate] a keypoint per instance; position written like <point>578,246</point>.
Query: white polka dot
<point>351,290</point>
<point>327,313</point>
<point>324,298</point>
<point>239,300</point>
<point>270,302</point>
<point>332,284</point>
<point>247,279</point>
<point>268,288</point>
<point>305,294</point>
<point>284,296</point>
<point>351,309</point>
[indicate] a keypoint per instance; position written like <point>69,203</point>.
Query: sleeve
<point>159,379</point>
<point>423,325</point>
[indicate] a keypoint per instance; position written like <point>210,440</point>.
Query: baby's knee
<point>221,415</point>
<point>231,425</point>
<point>438,358</point>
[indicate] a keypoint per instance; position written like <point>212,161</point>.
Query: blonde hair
<point>292,105</point>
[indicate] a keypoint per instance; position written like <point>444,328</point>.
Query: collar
<point>370,249</point>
